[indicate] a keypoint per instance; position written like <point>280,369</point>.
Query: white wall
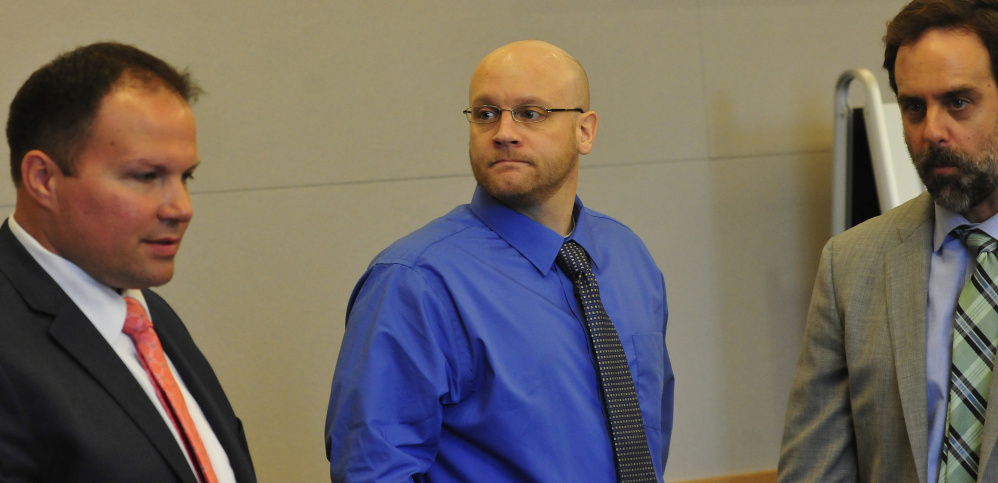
<point>330,129</point>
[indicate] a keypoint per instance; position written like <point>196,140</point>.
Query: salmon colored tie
<point>139,328</point>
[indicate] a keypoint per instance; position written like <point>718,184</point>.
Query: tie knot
<point>572,258</point>
<point>976,240</point>
<point>136,319</point>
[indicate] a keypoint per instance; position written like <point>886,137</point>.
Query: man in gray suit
<point>869,400</point>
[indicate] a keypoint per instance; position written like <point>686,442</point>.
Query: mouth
<point>164,246</point>
<point>507,162</point>
<point>944,170</point>
<point>940,162</point>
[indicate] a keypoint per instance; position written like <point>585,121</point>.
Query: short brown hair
<point>54,109</point>
<point>919,16</point>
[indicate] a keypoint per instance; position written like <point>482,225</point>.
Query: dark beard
<point>974,181</point>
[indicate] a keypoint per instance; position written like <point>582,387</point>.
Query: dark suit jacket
<point>70,411</point>
<point>858,407</point>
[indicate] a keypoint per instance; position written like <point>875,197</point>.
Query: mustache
<point>936,157</point>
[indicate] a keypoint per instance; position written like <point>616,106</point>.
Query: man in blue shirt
<point>466,355</point>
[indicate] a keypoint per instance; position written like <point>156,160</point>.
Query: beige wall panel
<point>770,68</point>
<point>645,75</point>
<point>774,215</point>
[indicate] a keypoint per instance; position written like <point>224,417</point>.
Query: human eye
<point>531,113</point>
<point>912,110</point>
<point>912,107</point>
<point>958,103</point>
<point>188,176</point>
<point>145,176</point>
<point>484,113</point>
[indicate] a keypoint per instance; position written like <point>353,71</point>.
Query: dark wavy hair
<point>55,108</point>
<point>977,16</point>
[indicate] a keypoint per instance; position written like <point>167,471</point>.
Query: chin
<point>156,282</point>
<point>151,280</point>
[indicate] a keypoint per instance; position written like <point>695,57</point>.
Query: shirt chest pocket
<point>649,375</point>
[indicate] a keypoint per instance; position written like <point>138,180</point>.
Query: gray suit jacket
<point>858,409</point>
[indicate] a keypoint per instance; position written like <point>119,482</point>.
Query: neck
<point>28,220</point>
<point>984,210</point>
<point>555,214</point>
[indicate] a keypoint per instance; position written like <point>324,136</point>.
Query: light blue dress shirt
<point>466,357</point>
<point>950,267</point>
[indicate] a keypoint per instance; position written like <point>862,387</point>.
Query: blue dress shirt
<point>950,267</point>
<point>466,357</point>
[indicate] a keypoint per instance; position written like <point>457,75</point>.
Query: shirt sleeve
<point>18,449</point>
<point>395,367</point>
<point>668,388</point>
<point>818,437</point>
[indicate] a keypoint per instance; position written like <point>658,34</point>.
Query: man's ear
<point>586,131</point>
<point>38,173</point>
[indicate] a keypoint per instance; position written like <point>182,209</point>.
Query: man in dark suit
<point>102,143</point>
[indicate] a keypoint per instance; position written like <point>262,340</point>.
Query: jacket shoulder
<point>891,228</point>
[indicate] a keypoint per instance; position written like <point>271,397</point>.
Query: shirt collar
<point>583,235</point>
<point>536,242</point>
<point>104,306</point>
<point>947,220</point>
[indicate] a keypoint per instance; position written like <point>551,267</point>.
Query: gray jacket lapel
<point>907,276</point>
<point>988,468</point>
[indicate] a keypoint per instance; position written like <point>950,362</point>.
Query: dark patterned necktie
<point>975,329</point>
<point>620,400</point>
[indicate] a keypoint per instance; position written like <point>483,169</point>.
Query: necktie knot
<point>976,240</point>
<point>572,259</point>
<point>136,320</point>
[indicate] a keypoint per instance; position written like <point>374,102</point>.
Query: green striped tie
<point>975,330</point>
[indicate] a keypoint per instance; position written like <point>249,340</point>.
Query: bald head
<point>534,62</point>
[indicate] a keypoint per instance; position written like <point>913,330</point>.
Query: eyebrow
<point>153,163</point>
<point>950,94</point>
<point>960,92</point>
<point>523,101</point>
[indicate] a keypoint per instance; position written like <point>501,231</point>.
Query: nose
<point>507,133</point>
<point>935,131</point>
<point>176,206</point>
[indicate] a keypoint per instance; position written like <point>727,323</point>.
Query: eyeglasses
<point>527,113</point>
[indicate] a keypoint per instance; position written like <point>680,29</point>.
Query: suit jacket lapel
<point>907,278</point>
<point>988,469</point>
<point>201,383</point>
<point>80,339</point>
